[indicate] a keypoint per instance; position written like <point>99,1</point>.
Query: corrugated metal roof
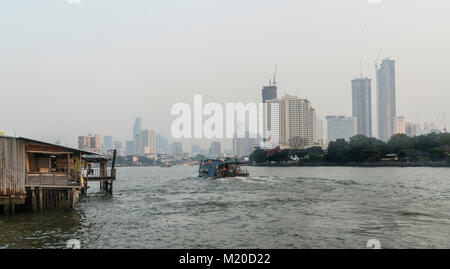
<point>54,145</point>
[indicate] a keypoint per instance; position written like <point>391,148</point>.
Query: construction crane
<point>275,76</point>
<point>376,61</point>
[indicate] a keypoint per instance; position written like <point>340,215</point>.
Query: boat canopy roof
<point>221,161</point>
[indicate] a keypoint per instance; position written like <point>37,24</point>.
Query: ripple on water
<point>296,207</point>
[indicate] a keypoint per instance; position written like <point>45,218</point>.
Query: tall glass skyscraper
<point>386,99</point>
<point>269,93</point>
<point>137,126</point>
<point>362,105</point>
<point>137,135</point>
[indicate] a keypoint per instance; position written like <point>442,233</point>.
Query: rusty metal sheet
<point>12,167</point>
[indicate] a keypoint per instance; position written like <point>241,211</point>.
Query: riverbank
<point>353,164</point>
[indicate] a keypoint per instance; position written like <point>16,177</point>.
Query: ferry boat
<point>221,168</point>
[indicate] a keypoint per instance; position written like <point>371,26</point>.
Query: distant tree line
<point>362,149</point>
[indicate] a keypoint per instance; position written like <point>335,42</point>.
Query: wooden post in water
<point>68,193</point>
<point>74,198</point>
<point>45,192</point>
<point>33,200</point>
<point>41,200</point>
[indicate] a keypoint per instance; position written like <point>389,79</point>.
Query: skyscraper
<point>269,93</point>
<point>118,146</point>
<point>386,99</point>
<point>137,126</point>
<point>107,142</point>
<point>362,105</point>
<point>147,145</point>
<point>137,135</point>
<point>273,123</point>
<point>129,148</point>
<point>215,150</point>
<point>162,144</point>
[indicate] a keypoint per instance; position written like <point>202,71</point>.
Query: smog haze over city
<point>70,68</point>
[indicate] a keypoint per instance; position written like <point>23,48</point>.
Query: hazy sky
<point>72,69</point>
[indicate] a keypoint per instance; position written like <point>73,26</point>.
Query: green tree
<point>444,139</point>
<point>426,142</point>
<point>400,142</point>
<point>258,156</point>
<point>438,154</point>
<point>336,151</point>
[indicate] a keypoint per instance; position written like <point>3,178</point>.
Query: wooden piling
<point>41,200</point>
<point>33,200</point>
<point>74,198</point>
<point>12,207</point>
<point>68,197</point>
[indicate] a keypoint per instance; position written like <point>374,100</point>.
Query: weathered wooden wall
<point>12,167</point>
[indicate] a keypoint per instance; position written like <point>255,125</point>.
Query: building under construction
<point>36,175</point>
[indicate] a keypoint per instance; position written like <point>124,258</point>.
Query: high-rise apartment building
<point>386,99</point>
<point>147,143</point>
<point>399,125</point>
<point>412,129</point>
<point>362,105</point>
<point>90,143</point>
<point>291,122</point>
<point>341,127</point>
<point>298,122</point>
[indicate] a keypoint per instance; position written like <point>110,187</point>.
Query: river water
<point>292,207</point>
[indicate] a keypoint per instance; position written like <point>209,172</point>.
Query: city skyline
<point>96,72</point>
<point>279,119</point>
